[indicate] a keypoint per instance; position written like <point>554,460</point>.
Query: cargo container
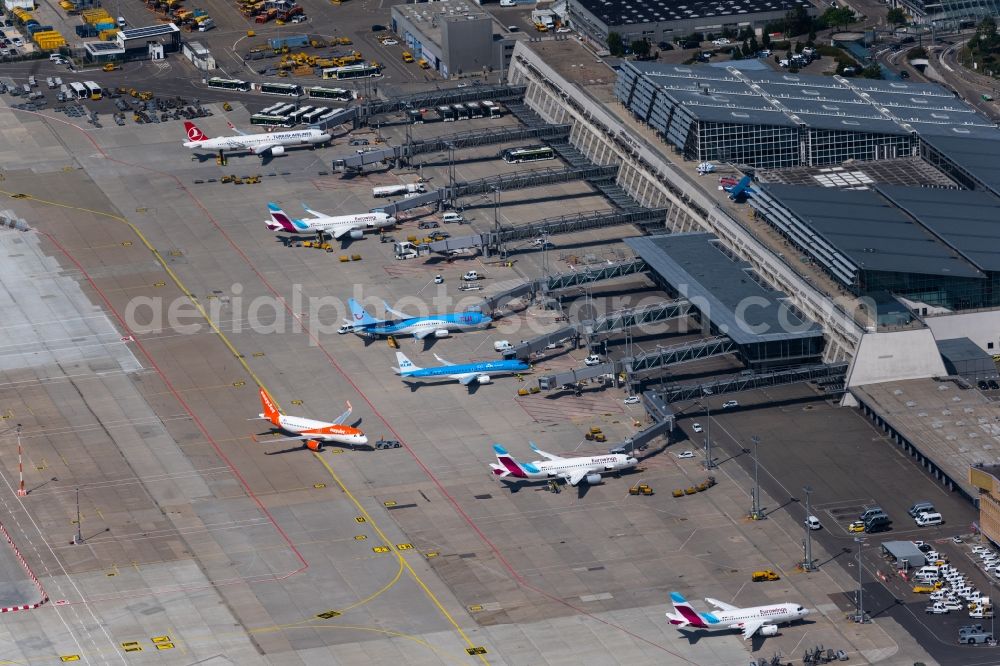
<point>292,41</point>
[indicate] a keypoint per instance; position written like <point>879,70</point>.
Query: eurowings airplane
<point>419,327</point>
<point>258,144</point>
<point>466,373</point>
<point>313,433</point>
<point>571,470</point>
<point>759,619</point>
<point>336,226</point>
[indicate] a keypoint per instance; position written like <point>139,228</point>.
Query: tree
<point>987,28</point>
<point>797,21</point>
<point>895,16</point>
<point>798,47</point>
<point>754,47</point>
<point>616,45</point>
<point>838,17</point>
<point>765,40</point>
<point>640,48</point>
<point>872,71</point>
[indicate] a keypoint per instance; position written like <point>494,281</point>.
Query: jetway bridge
<point>827,374</point>
<point>489,136</point>
<point>362,114</point>
<point>684,353</point>
<point>563,224</point>
<point>604,325</point>
<point>504,182</point>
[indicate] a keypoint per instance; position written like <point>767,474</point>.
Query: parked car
<point>593,359</point>
<point>696,427</point>
<point>471,276</point>
<point>812,522</point>
<point>632,400</point>
<point>856,526</point>
<point>937,608</point>
<point>358,142</point>
<point>730,403</point>
<point>721,41</point>
<point>428,225</point>
<point>685,455</point>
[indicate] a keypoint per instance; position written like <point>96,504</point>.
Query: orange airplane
<point>313,433</point>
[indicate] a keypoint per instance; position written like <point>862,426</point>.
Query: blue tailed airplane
<point>439,325</point>
<point>466,373</point>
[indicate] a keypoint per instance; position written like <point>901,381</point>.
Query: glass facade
<point>761,146</point>
<point>825,146</point>
<point>953,293</point>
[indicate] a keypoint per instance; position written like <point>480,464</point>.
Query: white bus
<point>339,94</point>
<point>93,90</point>
<point>287,89</point>
<point>352,72</point>
<point>296,115</point>
<point>314,115</point>
<point>528,154</point>
<point>79,90</point>
<point>228,84</point>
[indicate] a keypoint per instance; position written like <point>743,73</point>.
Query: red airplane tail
<point>193,133</point>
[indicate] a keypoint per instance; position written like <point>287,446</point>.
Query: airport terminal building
<point>663,21</point>
<point>778,119</point>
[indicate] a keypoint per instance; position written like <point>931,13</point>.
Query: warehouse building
<point>455,37</point>
<point>152,42</point>
<point>778,119</point>
<point>948,13</point>
<point>663,20</point>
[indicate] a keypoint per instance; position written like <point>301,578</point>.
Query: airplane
<point>758,619</point>
<point>268,143</point>
<point>313,433</point>
<point>439,325</point>
<point>466,373</point>
<point>319,224</point>
<point>571,470</point>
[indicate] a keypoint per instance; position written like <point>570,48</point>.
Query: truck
<point>974,635</point>
<point>393,190</point>
<point>292,41</point>
<point>404,250</point>
<point>206,25</point>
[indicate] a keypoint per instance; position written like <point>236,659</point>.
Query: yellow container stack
<point>108,35</point>
<point>49,40</point>
<point>95,16</point>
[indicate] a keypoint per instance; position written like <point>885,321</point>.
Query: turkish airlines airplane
<point>273,143</point>
<point>336,226</point>
<point>313,433</point>
<point>572,470</point>
<point>759,619</point>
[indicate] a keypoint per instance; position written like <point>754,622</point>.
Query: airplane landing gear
<point>221,159</point>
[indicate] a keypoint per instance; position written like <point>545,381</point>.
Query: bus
<point>461,113</point>
<point>286,89</point>
<point>352,72</point>
<point>93,90</point>
<point>79,90</point>
<point>296,115</point>
<point>314,115</point>
<point>475,109</point>
<point>446,113</point>
<point>492,109</point>
<point>269,110</point>
<point>283,110</point>
<point>269,119</point>
<point>528,154</point>
<point>228,84</point>
<point>339,94</point>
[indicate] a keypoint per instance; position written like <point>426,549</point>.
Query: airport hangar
<point>665,20</point>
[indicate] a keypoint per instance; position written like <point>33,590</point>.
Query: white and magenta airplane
<point>353,226</point>
<point>312,433</point>
<point>268,143</point>
<point>759,619</point>
<point>571,470</point>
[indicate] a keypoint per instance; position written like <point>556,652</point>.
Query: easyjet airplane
<point>313,433</point>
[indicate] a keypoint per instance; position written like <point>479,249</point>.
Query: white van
<point>507,3</point>
<point>926,571</point>
<point>926,519</point>
<point>448,218</point>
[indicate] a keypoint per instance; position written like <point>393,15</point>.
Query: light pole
<point>709,464</point>
<point>807,563</point>
<point>755,510</point>
<point>78,537</point>
<point>860,617</point>
<point>21,492</point>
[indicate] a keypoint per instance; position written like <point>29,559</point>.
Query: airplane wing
<point>338,231</point>
<point>752,627</point>
<point>543,454</point>
<point>236,129</point>
<point>576,477</point>
<point>442,361</point>
<point>467,378</point>
<point>721,605</point>
<point>395,313</point>
<point>312,212</point>
<point>343,417</point>
<point>423,334</point>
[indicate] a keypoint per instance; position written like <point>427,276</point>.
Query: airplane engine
<point>593,479</point>
<point>483,379</point>
<point>356,234</point>
<point>442,333</point>
<point>314,445</point>
<point>278,150</point>
<point>768,630</point>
